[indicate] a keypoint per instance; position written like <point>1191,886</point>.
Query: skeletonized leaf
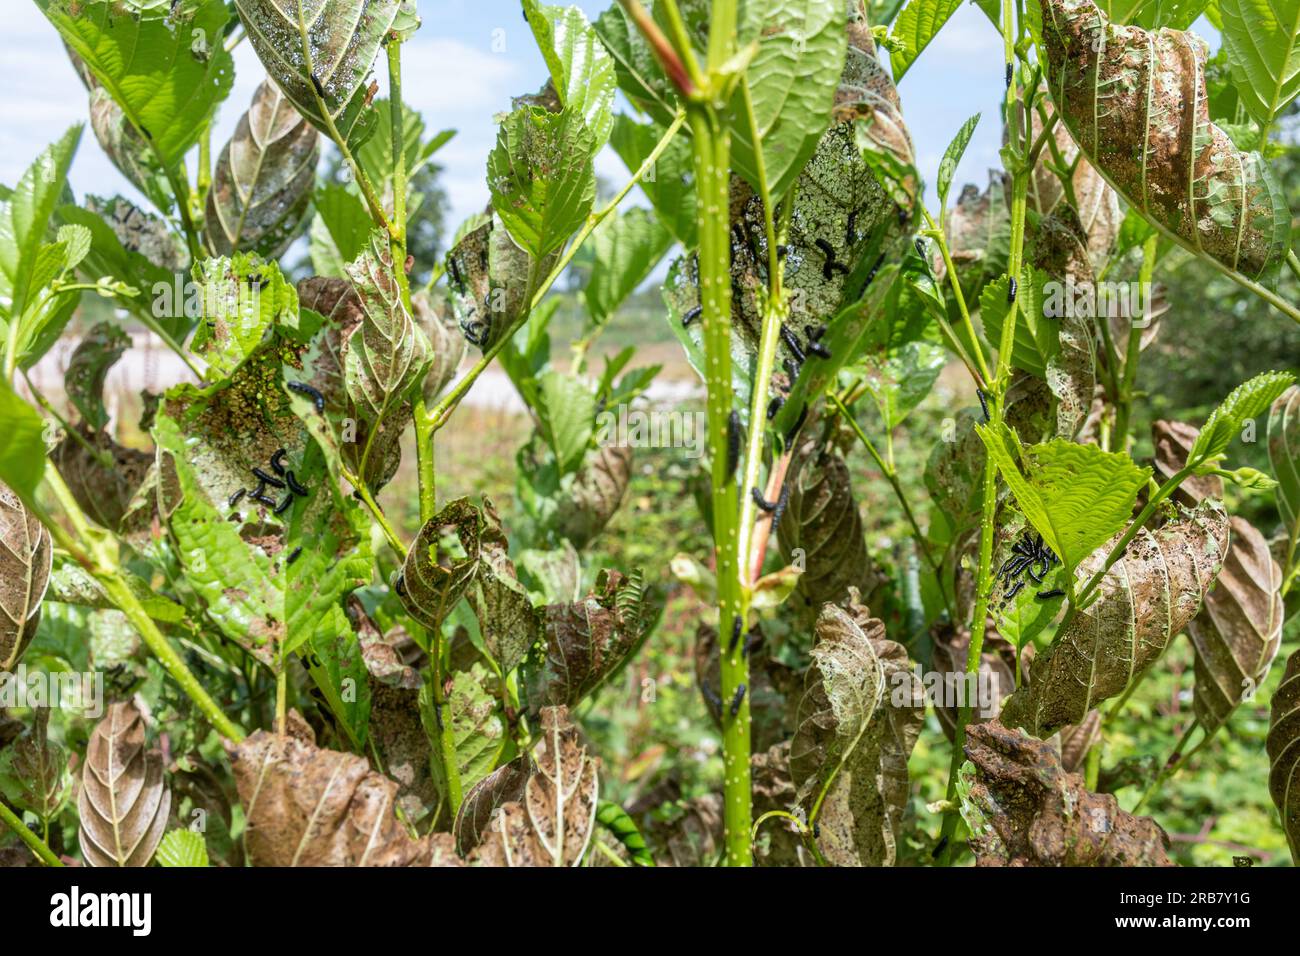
<point>319,52</point>
<point>597,490</point>
<point>124,801</point>
<point>487,275</point>
<point>103,476</point>
<point>242,299</point>
<point>853,736</point>
<point>34,769</point>
<point>509,623</point>
<point>503,785</point>
<point>552,822</point>
<point>97,352</point>
<point>431,582</point>
<point>263,179</point>
<point>587,641</point>
<point>26,556</point>
<point>387,353</point>
<point>996,673</point>
<point>1238,631</point>
<point>978,231</point>
<point>307,806</point>
<point>1024,809</point>
<point>1283,745</point>
<point>127,148</point>
<point>1146,598</point>
<point>1136,103</point>
<point>821,518</point>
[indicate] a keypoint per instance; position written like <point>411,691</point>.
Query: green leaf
<point>25,214</point>
<point>567,412</point>
<point>167,72</point>
<point>1262,39</point>
<point>792,81</point>
<point>22,445</point>
<point>1076,496</point>
<point>339,230</point>
<point>918,24</point>
<point>625,249</point>
<point>952,157</point>
<point>243,298</point>
<point>541,177</point>
<point>236,557</point>
<point>182,848</point>
<point>263,180</point>
<point>1248,400</point>
<point>320,55</point>
<point>477,729</point>
<point>581,69</point>
<point>669,183</point>
<point>1037,339</point>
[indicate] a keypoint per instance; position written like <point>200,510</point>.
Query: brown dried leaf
<point>263,180</point>
<point>311,807</point>
<point>598,490</point>
<point>38,767</point>
<point>1283,747</point>
<point>501,786</point>
<point>552,822</point>
<point>1135,102</point>
<point>507,619</point>
<point>26,556</point>
<point>1238,631</point>
<point>1146,598</point>
<point>1077,739</point>
<point>822,519</point>
<point>105,489</point>
<point>587,640</point>
<point>124,801</point>
<point>431,583</point>
<point>858,721</point>
<point>1173,442</point>
<point>996,672</point>
<point>1025,810</point>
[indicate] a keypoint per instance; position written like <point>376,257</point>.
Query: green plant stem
<point>891,476</point>
<point>711,150</point>
<point>447,404</point>
<point>376,512</point>
<point>97,553</point>
<point>424,460</point>
<point>99,454</point>
<point>1124,398</point>
<point>936,232</point>
<point>446,751</point>
<point>34,843</point>
<point>988,507</point>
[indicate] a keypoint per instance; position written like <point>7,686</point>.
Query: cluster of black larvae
<point>1029,556</point>
<point>283,480</point>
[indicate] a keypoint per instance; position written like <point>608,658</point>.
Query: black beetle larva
<point>736,700</point>
<point>691,315</point>
<point>735,634</point>
<point>277,461</point>
<point>774,406</point>
<point>733,443</point>
<point>266,479</point>
<point>293,556</point>
<point>302,388</point>
<point>296,486</point>
<point>235,498</point>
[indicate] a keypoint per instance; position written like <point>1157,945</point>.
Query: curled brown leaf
<point>1024,809</point>
<point>1283,745</point>
<point>26,557</point>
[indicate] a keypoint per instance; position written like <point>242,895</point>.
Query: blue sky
<point>462,67</point>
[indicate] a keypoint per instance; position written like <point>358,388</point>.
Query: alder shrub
<point>252,664</point>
